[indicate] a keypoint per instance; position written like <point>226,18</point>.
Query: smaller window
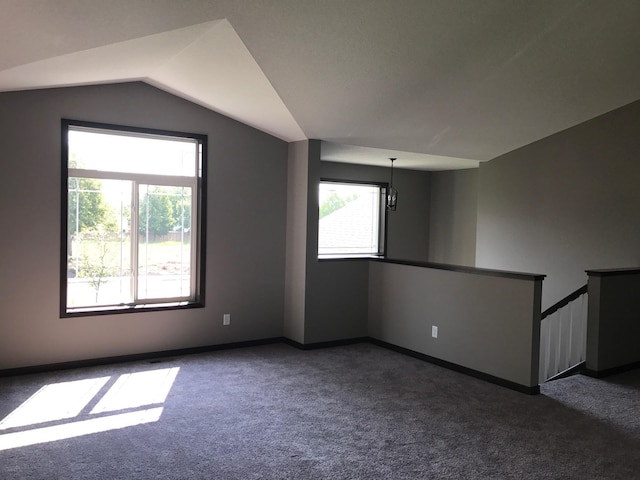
<point>351,219</point>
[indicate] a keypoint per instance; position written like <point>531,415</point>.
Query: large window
<point>351,219</point>
<point>132,218</point>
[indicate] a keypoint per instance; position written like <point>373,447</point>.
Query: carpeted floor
<point>352,412</point>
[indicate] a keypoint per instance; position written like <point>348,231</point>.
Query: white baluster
<point>563,338</point>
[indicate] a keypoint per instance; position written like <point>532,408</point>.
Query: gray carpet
<point>352,412</point>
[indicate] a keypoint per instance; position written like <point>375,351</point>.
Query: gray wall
<point>245,229</point>
<point>565,204</point>
<point>296,251</point>
<point>487,323</point>
<point>337,292</point>
<point>613,330</point>
<point>454,216</point>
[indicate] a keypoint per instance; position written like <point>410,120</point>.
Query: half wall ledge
<point>464,269</point>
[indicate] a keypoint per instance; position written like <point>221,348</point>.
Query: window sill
<point>119,309</point>
<point>324,258</point>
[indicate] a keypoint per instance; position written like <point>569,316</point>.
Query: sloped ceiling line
<point>439,85</point>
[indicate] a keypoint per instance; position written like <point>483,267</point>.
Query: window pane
<point>349,219</point>
<point>164,247</point>
<point>111,152</point>
<point>132,211</point>
<point>98,242</point>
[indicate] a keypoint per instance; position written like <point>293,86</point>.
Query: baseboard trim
<point>611,371</point>
<point>268,341</point>
<point>459,368</point>
<point>136,357</point>
<point>317,345</point>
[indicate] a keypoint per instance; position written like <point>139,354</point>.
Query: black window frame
<point>201,210</point>
<point>384,220</point>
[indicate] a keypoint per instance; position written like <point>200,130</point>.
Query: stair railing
<point>563,335</point>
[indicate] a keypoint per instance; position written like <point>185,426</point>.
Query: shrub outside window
<point>132,218</point>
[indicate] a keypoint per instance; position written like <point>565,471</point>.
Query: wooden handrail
<point>565,301</point>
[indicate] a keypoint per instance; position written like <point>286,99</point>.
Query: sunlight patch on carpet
<point>65,408</point>
<point>78,429</point>
<point>54,402</point>
<point>137,390</point>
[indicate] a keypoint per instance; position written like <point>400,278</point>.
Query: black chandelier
<point>392,193</point>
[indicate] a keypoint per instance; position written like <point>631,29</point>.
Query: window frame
<point>382,221</point>
<point>198,217</point>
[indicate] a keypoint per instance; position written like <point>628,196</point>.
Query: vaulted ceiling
<point>439,84</point>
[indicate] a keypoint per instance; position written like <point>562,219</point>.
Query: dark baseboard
<point>333,343</point>
<point>611,371</point>
<point>150,356</point>
<point>136,357</point>
<point>458,368</point>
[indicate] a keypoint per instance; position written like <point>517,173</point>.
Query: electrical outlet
<point>434,331</point>
<point>226,319</point>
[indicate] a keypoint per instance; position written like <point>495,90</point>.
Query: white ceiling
<point>439,84</point>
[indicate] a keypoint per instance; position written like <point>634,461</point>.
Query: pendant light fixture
<point>392,193</point>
